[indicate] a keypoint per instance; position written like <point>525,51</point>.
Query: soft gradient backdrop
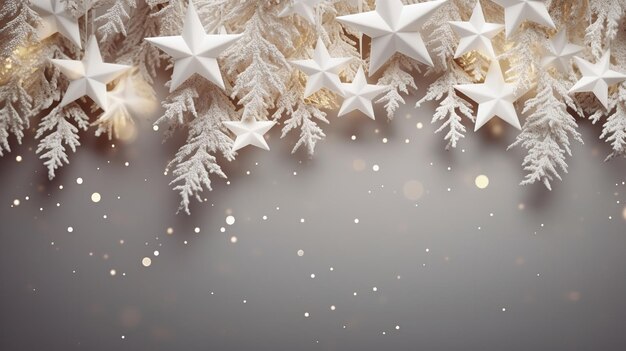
<point>434,262</point>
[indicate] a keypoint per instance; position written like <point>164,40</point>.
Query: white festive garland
<point>239,67</point>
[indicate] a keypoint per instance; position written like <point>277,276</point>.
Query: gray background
<point>546,271</point>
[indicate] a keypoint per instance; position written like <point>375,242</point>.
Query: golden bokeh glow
<point>413,190</point>
<point>482,181</point>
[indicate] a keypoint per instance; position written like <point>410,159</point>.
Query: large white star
<point>559,52</point>
<point>56,19</point>
<point>394,27</point>
<point>249,132</point>
<point>518,11</point>
<point>322,70</point>
<point>304,8</point>
<point>359,95</point>
<point>597,78</point>
<point>89,76</point>
<point>495,97</point>
<point>476,34</point>
<point>195,51</point>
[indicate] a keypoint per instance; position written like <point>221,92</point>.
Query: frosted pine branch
<point>18,26</point>
<point>452,108</point>
<point>57,132</point>
<point>547,132</point>
<point>399,81</point>
<point>194,161</point>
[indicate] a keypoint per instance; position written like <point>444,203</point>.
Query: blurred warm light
<point>413,190</point>
<point>495,127</point>
<point>482,181</point>
<point>358,165</point>
<point>624,213</point>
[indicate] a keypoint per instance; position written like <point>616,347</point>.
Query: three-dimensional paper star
<point>89,76</point>
<point>304,8</point>
<point>518,11</point>
<point>597,78</point>
<point>249,132</point>
<point>476,34</point>
<point>559,52</point>
<point>195,51</point>
<point>394,27</point>
<point>323,70</point>
<point>495,97</point>
<point>56,19</point>
<point>358,95</point>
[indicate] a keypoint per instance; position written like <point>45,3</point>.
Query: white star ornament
<point>560,53</point>
<point>89,76</point>
<point>322,70</point>
<point>195,51</point>
<point>518,11</point>
<point>56,19</point>
<point>597,78</point>
<point>495,97</point>
<point>359,95</point>
<point>476,34</point>
<point>394,27</point>
<point>249,133</point>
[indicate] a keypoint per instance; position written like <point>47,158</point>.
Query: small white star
<point>495,97</point>
<point>559,52</point>
<point>195,51</point>
<point>597,78</point>
<point>249,132</point>
<point>323,70</point>
<point>89,76</point>
<point>359,95</point>
<point>56,19</point>
<point>476,34</point>
<point>304,8</point>
<point>518,11</point>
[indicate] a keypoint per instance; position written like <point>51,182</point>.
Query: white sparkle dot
<point>397,327</point>
<point>230,220</point>
<point>356,221</point>
<point>222,229</point>
<point>112,272</point>
<point>95,197</point>
<point>306,314</point>
<point>18,158</point>
<point>376,168</point>
<point>233,239</point>
<point>155,127</point>
<point>79,181</point>
<point>332,307</point>
<point>156,253</point>
<point>301,220</point>
<point>300,253</point>
<point>374,289</point>
<point>419,125</point>
<point>146,261</point>
<point>70,229</point>
<point>16,202</point>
